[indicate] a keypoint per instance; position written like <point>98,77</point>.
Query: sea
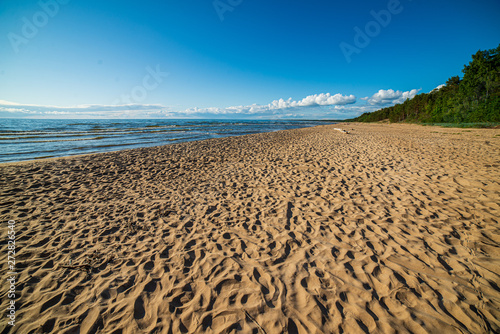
<point>29,139</point>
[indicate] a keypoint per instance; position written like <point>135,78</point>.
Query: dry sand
<point>391,228</point>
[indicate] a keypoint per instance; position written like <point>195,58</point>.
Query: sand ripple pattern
<point>390,229</point>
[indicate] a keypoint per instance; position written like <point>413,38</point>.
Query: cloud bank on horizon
<point>317,106</point>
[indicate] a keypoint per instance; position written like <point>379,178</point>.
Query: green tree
<point>474,98</point>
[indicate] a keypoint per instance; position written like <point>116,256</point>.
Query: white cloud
<point>390,96</point>
<point>12,109</point>
<point>437,88</point>
<point>314,100</point>
<point>147,110</point>
<point>8,103</point>
<point>277,106</point>
<point>320,106</point>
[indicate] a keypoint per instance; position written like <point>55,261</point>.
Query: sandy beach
<point>387,229</point>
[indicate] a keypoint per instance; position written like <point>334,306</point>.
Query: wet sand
<point>390,228</point>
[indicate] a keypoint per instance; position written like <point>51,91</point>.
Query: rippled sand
<point>391,228</point>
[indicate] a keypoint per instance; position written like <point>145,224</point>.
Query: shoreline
<point>132,149</point>
<point>306,230</point>
<point>123,135</point>
<point>342,124</point>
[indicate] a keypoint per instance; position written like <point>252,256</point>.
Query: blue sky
<point>231,58</point>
